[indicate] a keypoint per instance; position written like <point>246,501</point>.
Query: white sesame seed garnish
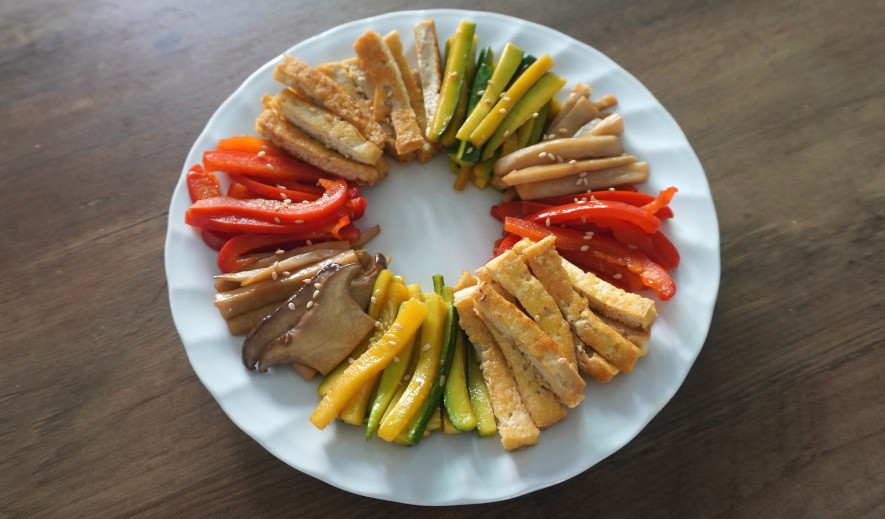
<point>291,306</point>
<point>503,110</point>
<point>316,294</point>
<point>276,219</point>
<point>618,276</point>
<point>573,162</point>
<point>559,159</point>
<point>547,221</point>
<point>262,153</point>
<point>611,189</point>
<point>535,115</point>
<point>506,98</point>
<point>378,324</point>
<point>631,246</point>
<point>542,154</point>
<point>373,299</point>
<point>280,251</point>
<point>585,248</point>
<point>350,360</point>
<point>317,285</point>
<point>284,197</point>
<point>425,347</point>
<point>562,360</point>
<point>286,273</point>
<point>537,318</point>
<point>506,133</point>
<point>397,326</point>
<point>395,358</point>
<point>502,94</point>
<point>481,92</point>
<point>562,131</point>
<point>270,166</point>
<point>487,101</point>
<point>454,74</point>
<point>299,221</point>
<point>442,380</point>
<point>309,242</point>
<point>306,281</point>
<point>274,275</point>
<point>470,149</point>
<point>582,174</point>
<point>391,342</point>
<point>281,186</point>
<point>287,201</point>
<point>309,304</point>
<point>408,376</point>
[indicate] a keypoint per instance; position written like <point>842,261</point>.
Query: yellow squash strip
<point>413,398</point>
<point>510,58</point>
<point>410,317</point>
<point>523,83</point>
<point>453,81</point>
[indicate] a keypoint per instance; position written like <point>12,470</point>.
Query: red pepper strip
<point>357,207</point>
<point>237,190</point>
<point>275,193</point>
<point>269,167</point>
<point>276,211</point>
<point>628,197</point>
<point>661,201</point>
<point>201,185</point>
<point>517,208</point>
<point>230,257</point>
<point>353,190</point>
<point>249,144</point>
<point>506,244</point>
<point>590,210</point>
<point>656,246</point>
<point>215,240</point>
<point>239,225</point>
<point>348,232</point>
<point>653,275</point>
<point>615,274</point>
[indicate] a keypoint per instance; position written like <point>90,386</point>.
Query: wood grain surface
<point>781,416</point>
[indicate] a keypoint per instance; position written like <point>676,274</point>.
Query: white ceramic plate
<point>428,228</point>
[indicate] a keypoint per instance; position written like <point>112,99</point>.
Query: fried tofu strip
<point>416,100</point>
<point>321,89</point>
<point>429,64</point>
<point>546,265</point>
<point>631,309</point>
<point>381,67</point>
<point>542,405</point>
<point>561,377</point>
<point>338,73</point>
<point>328,128</point>
<point>275,128</point>
<point>511,272</point>
<point>515,425</point>
<point>638,337</point>
<point>594,365</point>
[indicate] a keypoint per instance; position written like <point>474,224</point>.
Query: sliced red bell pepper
<point>239,225</point>
<point>617,275</point>
<point>653,275</point>
<point>202,184</point>
<point>517,208</point>
<point>276,211</point>
<point>249,144</point>
<point>277,193</point>
<point>506,243</point>
<point>656,246</point>
<point>591,210</point>
<point>661,201</point>
<point>357,207</point>
<point>230,257</point>
<point>214,239</point>
<point>273,168</point>
<point>628,197</point>
<point>237,190</point>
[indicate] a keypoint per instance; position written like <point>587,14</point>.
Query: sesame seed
<point>391,342</point>
<point>274,275</point>
<point>562,131</point>
<point>611,189</point>
<point>503,110</point>
<point>408,376</point>
<point>562,360</point>
<point>535,115</point>
<point>537,318</point>
<point>316,294</point>
<point>291,306</point>
<point>309,242</point>
<point>487,101</point>
<point>470,149</point>
<point>287,201</point>
<point>559,159</point>
<point>306,281</point>
<point>373,300</point>
<point>280,186</point>
<point>280,251</point>
<point>262,153</point>
<point>573,162</point>
<point>395,358</point>
<point>284,197</point>
<point>585,248</point>
<point>547,221</point>
<point>542,154</point>
<point>318,285</point>
<point>502,94</point>
<point>442,380</point>
<point>286,273</point>
<point>270,166</point>
<point>481,92</point>
<point>378,324</point>
<point>631,246</point>
<point>309,304</point>
<point>425,347</point>
<point>618,276</point>
<point>276,219</point>
<point>299,221</point>
<point>350,360</point>
<point>506,98</point>
<point>397,326</point>
<point>454,74</point>
<point>580,201</point>
<point>506,133</point>
<point>582,174</point>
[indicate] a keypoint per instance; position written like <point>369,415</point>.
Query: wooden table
<point>781,415</point>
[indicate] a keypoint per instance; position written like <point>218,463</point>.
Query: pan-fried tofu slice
<point>429,64</point>
<point>511,272</point>
<point>323,91</point>
<point>631,309</point>
<point>328,128</point>
<point>638,337</point>
<point>594,365</point>
<point>546,265</point>
<point>275,128</point>
<point>515,425</point>
<point>416,101</point>
<point>466,280</point>
<point>543,407</point>
<point>561,377</point>
<point>338,73</point>
<point>381,67</point>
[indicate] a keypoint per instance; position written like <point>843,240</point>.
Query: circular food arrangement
<point>323,173</point>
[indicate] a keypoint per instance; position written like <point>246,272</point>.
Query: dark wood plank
<point>100,414</point>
